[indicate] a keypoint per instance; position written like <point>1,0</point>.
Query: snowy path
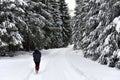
<point>56,64</point>
<point>57,68</point>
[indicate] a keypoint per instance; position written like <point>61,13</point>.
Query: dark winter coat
<point>36,56</point>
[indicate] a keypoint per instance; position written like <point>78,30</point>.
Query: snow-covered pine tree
<point>66,22</point>
<point>95,30</point>
<point>34,23</point>
<point>56,36</point>
<point>29,23</point>
<point>10,37</point>
<point>79,29</point>
<point>29,20</point>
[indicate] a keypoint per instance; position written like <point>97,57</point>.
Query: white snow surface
<point>56,64</point>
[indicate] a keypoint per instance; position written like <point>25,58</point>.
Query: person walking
<point>37,59</point>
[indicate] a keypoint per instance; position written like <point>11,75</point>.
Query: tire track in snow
<point>29,74</point>
<point>82,73</point>
<point>76,69</point>
<point>70,72</point>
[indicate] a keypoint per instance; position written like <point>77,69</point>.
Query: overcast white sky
<point>71,5</point>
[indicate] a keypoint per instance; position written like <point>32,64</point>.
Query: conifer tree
<point>56,36</point>
<point>66,22</point>
<point>95,30</point>
<point>10,37</point>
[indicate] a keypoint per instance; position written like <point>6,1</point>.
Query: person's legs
<point>37,66</point>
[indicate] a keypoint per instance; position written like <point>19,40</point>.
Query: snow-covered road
<point>56,64</point>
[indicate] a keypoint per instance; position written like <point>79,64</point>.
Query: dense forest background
<point>96,30</point>
<point>26,24</point>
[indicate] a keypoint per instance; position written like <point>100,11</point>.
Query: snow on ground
<point>56,64</point>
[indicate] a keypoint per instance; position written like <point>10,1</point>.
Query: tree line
<point>94,30</point>
<point>27,24</point>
